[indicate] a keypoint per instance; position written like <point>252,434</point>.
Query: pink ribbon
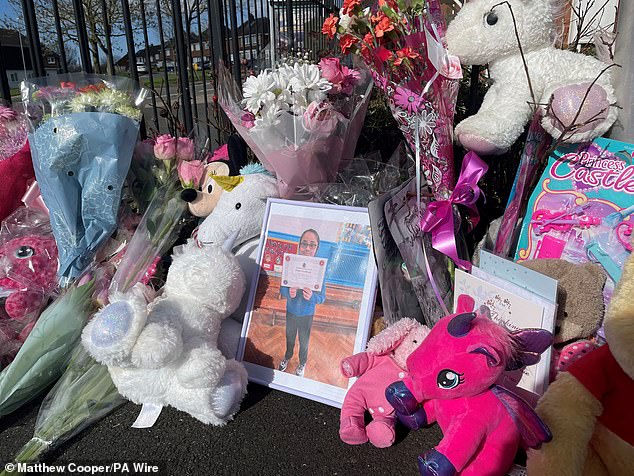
<point>438,219</point>
<point>32,198</point>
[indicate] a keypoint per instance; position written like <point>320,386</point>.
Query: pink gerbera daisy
<point>408,100</point>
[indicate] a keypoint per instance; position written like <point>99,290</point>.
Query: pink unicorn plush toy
<point>452,379</point>
<point>383,362</point>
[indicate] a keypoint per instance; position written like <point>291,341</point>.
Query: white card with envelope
<point>515,307</point>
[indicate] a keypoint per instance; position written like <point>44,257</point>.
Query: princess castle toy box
<point>583,207</point>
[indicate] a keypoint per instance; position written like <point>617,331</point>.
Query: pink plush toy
<point>383,362</point>
<point>452,379</point>
<point>28,266</point>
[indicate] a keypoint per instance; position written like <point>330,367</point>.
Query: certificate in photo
<point>303,272</point>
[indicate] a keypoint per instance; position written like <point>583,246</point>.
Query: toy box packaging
<point>583,207</point>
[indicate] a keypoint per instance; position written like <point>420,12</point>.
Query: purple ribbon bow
<point>438,218</point>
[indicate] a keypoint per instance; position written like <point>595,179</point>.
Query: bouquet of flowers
<point>45,352</point>
<point>300,119</point>
<point>16,168</point>
<point>401,42</point>
<point>79,168</point>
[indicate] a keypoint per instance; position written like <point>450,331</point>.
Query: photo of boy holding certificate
<point>300,308</point>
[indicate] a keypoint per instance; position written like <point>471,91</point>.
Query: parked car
<point>141,68</point>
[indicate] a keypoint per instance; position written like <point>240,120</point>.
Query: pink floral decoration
<point>343,79</point>
<point>221,153</point>
<point>408,100</point>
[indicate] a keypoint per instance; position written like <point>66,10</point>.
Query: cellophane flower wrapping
<point>535,150</point>
<point>16,168</point>
<point>82,134</point>
<point>45,353</point>
<point>28,266</point>
<point>402,44</point>
<point>299,124</point>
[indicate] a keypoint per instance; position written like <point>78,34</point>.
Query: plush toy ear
<point>237,153</point>
<point>530,344</point>
<point>465,304</point>
<point>391,337</point>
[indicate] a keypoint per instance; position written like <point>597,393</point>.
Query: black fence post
<point>5,90</point>
<point>82,36</point>
<point>60,37</point>
<point>106,27</point>
<point>129,36</point>
<point>181,58</point>
<point>474,96</point>
<point>34,38</point>
<point>235,48</point>
<point>216,30</point>
<point>290,28</point>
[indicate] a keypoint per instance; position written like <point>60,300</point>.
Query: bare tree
<point>191,11</point>
<point>94,19</point>
<point>589,24</point>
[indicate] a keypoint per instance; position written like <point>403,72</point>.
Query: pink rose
<point>321,118</point>
<point>185,149</point>
<point>451,68</point>
<point>221,153</point>
<point>248,120</point>
<point>191,173</point>
<point>331,70</point>
<point>165,147</point>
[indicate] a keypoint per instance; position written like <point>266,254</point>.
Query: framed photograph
<point>312,298</point>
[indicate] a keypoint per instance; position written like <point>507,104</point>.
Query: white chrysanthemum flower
<point>111,99</point>
<point>269,116</point>
<point>307,78</point>
<point>83,102</point>
<point>299,104</point>
<point>258,91</point>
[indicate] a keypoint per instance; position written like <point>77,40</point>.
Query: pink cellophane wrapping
<point>299,157</point>
<point>15,174</point>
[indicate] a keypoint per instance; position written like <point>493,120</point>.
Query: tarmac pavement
<point>274,433</point>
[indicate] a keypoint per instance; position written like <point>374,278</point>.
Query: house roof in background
<point>11,55</point>
<point>12,38</point>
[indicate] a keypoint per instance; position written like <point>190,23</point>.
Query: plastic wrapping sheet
<point>16,169</point>
<point>28,265</point>
<point>82,148</point>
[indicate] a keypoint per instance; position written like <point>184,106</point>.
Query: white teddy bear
<point>166,352</point>
<point>483,32</point>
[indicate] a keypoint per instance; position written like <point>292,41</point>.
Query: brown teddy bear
<point>588,408</point>
<point>580,296</point>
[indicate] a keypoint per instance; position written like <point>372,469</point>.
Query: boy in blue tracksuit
<point>300,308</point>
